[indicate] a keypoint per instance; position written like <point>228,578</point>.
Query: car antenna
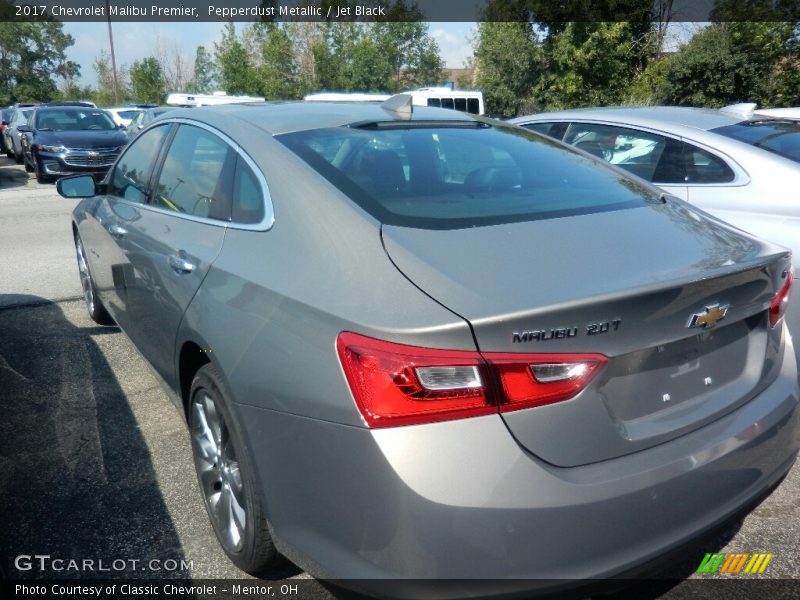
<point>399,104</point>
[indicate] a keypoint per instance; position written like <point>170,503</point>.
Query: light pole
<point>113,59</point>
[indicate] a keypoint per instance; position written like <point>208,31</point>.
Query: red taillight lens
<point>395,384</point>
<point>530,380</point>
<point>778,306</point>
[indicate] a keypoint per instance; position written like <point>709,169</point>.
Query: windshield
<point>128,114</point>
<point>780,137</point>
<point>74,120</point>
<point>462,174</point>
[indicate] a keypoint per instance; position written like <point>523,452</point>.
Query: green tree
<point>32,56</point>
<point>591,64</point>
<point>378,56</point>
<point>202,81</point>
<point>507,62</point>
<point>147,80</point>
<point>104,93</point>
<point>783,84</point>
<point>410,55</point>
<point>236,72</point>
<point>278,71</point>
<point>710,71</point>
<point>727,63</point>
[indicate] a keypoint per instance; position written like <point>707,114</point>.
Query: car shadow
<point>76,478</point>
<point>11,174</point>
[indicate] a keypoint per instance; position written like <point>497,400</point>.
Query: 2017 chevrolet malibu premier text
<point>426,345</point>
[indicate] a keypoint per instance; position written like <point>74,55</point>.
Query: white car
<point>123,115</point>
<point>749,110</point>
<point>742,169</point>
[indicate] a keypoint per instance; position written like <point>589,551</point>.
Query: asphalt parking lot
<point>95,461</point>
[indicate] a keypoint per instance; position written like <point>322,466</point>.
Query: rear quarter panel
<point>273,303</point>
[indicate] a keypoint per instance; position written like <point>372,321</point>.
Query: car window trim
<point>269,216</point>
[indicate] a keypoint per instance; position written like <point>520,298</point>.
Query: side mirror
<point>24,128</point>
<point>122,127</point>
<point>76,186</point>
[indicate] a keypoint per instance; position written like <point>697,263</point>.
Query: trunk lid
<point>625,284</point>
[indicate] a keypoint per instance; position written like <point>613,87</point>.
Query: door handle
<point>179,263</point>
<point>116,231</point>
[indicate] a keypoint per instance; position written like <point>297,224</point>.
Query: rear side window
<point>132,173</point>
<point>195,178</point>
<point>248,201</point>
<point>704,167</point>
<point>779,137</point>
<point>462,174</point>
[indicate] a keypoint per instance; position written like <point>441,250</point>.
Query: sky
<point>135,41</point>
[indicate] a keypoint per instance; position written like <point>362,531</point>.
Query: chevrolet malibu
<point>416,344</point>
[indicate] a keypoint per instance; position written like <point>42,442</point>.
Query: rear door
<point>174,239</point>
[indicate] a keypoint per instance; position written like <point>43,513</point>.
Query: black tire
<point>97,312</point>
<point>18,158</point>
<point>41,177</point>
<point>226,476</point>
<point>28,166</point>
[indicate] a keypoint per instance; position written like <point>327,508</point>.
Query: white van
<point>468,101</point>
<point>209,99</point>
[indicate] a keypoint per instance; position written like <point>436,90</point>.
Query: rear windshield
<point>74,120</point>
<point>780,137</point>
<point>444,176</point>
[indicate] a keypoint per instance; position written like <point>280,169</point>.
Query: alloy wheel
<point>218,470</point>
<point>86,278</point>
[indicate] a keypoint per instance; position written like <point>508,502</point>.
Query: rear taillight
<point>395,384</point>
<point>530,380</point>
<point>778,306</point>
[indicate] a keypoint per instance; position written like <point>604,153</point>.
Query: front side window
<point>196,176</point>
<point>553,130</point>
<point>465,174</point>
<point>132,173</point>
<point>650,156</point>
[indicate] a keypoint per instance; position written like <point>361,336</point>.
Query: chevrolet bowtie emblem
<point>709,317</point>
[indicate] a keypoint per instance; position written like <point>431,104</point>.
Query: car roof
<point>648,116</point>
<point>286,117</point>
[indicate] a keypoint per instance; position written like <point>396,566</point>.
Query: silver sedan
<point>417,344</point>
<point>742,168</point>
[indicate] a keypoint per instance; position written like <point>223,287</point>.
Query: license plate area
<point>666,378</point>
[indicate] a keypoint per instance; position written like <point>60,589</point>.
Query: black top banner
<point>401,10</point>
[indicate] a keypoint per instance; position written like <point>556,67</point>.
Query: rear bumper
<point>462,500</point>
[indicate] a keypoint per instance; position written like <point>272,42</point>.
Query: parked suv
<point>70,139</point>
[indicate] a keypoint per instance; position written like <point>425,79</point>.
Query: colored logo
<point>733,564</point>
<point>709,316</point>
